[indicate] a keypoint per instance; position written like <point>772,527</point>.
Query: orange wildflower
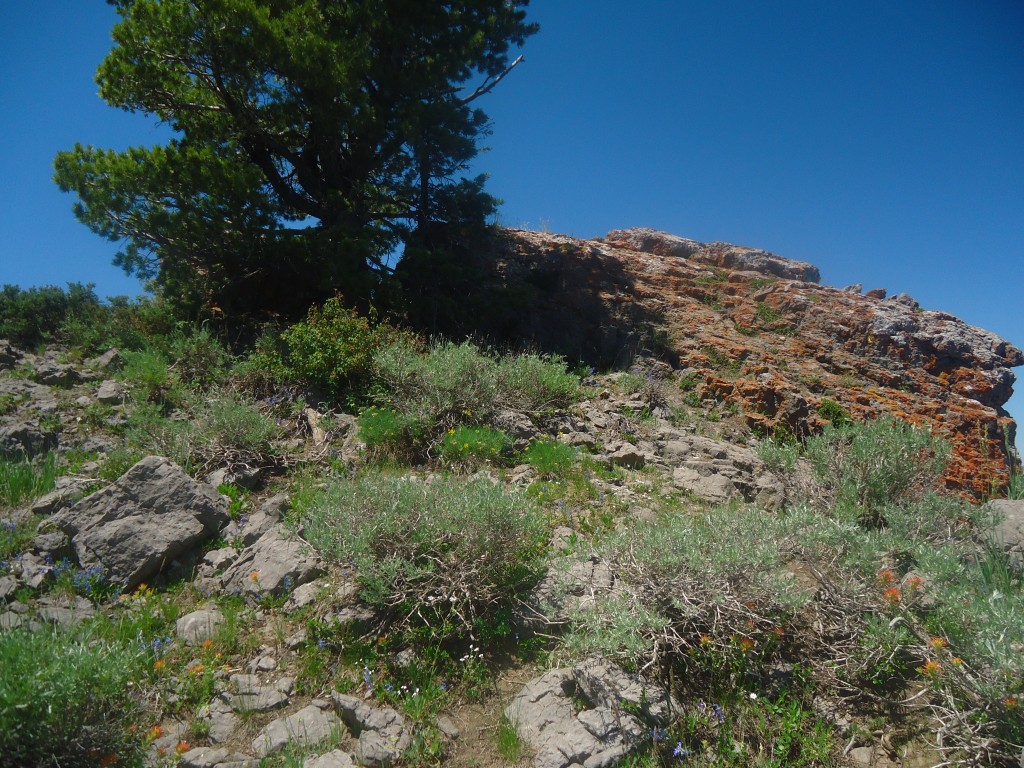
<point>914,583</point>
<point>746,644</point>
<point>930,668</point>
<point>207,644</point>
<point>255,575</point>
<point>196,669</point>
<point>939,642</point>
<point>159,664</point>
<point>154,733</point>
<point>182,747</point>
<point>892,595</point>
<point>885,576</point>
<point>1011,702</point>
<point>110,759</point>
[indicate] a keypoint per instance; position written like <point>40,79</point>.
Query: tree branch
<point>488,86</point>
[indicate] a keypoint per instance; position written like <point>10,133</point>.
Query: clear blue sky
<point>881,141</point>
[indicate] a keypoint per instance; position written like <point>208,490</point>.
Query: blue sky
<point>880,141</point>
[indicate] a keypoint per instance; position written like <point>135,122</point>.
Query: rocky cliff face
<point>757,330</point>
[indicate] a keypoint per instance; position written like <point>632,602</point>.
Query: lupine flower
<point>680,751</point>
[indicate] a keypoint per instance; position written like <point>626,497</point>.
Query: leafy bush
<point>873,464</point>
<point>198,355</point>
<point>66,701</point>
<point>32,316</point>
<point>231,422</point>
<point>442,555</point>
<point>531,382</point>
<point>453,385</point>
<point>778,456</point>
<point>472,446</point>
<point>149,377</point>
<point>334,347</point>
<point>688,580</point>
<point>127,324</point>
<point>833,412</point>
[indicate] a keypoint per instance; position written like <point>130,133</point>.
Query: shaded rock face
<point>759,331</point>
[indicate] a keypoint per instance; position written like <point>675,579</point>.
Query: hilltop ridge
<point>757,330</point>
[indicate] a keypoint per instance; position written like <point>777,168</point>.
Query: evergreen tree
<point>311,139</point>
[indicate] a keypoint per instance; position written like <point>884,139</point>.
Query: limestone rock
<point>58,375</point>
<point>278,562</point>
<point>605,684</point>
<point>383,733</point>
<point>307,727</point>
<point>26,438</point>
<point>333,759</point>
<point>136,526</point>
<point>215,757</point>
<point>199,626</point>
<point>111,392</point>
<point>1009,531</point>
<point>544,715</point>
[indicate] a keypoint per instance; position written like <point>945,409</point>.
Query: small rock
<point>199,626</point>
<point>214,757</point>
<point>276,563</point>
<point>263,664</point>
<point>447,727</point>
<point>111,392</point>
<point>333,759</point>
<point>8,586</point>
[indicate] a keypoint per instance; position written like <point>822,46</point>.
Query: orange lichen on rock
<point>758,330</point>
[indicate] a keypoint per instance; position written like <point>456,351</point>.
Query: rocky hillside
<point>760,332</point>
<point>350,545</point>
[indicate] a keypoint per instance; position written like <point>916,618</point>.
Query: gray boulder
<point>111,392</point>
<point>546,719</point>
<point>333,759</point>
<point>277,563</point>
<point>383,733</point>
<point>58,374</point>
<point>26,438</point>
<point>139,524</point>
<point>307,727</point>
<point>607,685</point>
<point>720,472</point>
<point>1009,530</point>
<point>199,626</point>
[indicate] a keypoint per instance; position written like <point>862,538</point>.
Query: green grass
<point>550,457</point>
<point>508,741</point>
<point>67,700</point>
<point>22,479</point>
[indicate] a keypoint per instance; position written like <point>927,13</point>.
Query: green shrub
<point>472,446</point>
<point>23,479</point>
<point>124,323</point>
<point>232,422</point>
<point>334,347</point>
<point>778,456</point>
<point>833,412</point>
<point>870,465</point>
<point>550,457</point>
<point>66,701</point>
<point>535,383</point>
<point>149,377</point>
<point>198,356</point>
<point>451,384</point>
<point>30,317</point>
<point>690,579</point>
<point>442,555</point>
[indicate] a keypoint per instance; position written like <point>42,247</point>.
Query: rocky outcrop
<point>617,717</point>
<point>758,331</point>
<point>135,527</point>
